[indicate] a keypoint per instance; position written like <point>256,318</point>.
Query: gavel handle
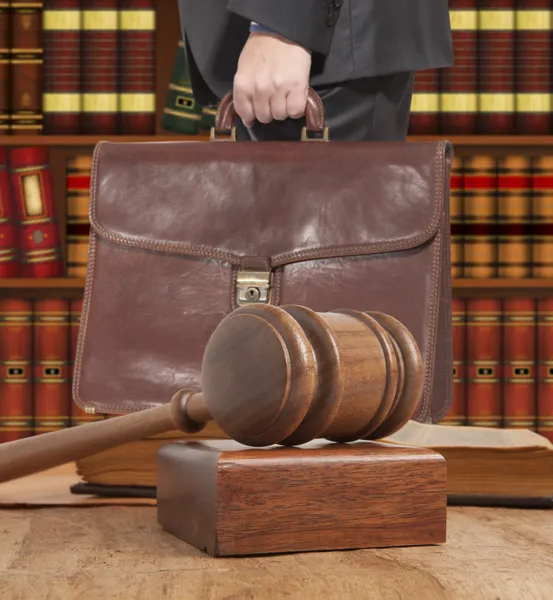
<point>186,412</point>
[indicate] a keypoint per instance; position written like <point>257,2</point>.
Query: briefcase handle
<point>314,130</point>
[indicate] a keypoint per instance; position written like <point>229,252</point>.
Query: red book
<point>100,64</point>
<point>519,356</point>
<point>425,104</point>
<point>16,353</point>
<point>61,94</point>
<point>51,364</point>
<point>496,80</point>
<point>32,188</point>
<point>4,67</point>
<point>26,67</point>
<point>458,412</point>
<point>545,367</point>
<point>534,81</point>
<point>459,83</point>
<point>9,260</point>
<point>483,360</point>
<point>137,72</point>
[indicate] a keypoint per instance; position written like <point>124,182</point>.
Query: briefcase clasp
<point>253,287</point>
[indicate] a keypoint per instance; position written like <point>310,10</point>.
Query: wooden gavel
<point>270,375</point>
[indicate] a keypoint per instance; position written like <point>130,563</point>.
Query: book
<point>181,113</point>
<point>16,355</point>
<point>77,232</point>
<point>51,364</point>
<point>425,104</point>
<point>136,68</point>
<point>4,66</point>
<point>533,66</point>
<point>32,190</point>
<point>9,254</point>
<point>484,465</point>
<point>26,67</point>
<point>459,83</point>
<point>544,367</point>
<point>457,217</point>
<point>514,217</point>
<point>483,362</point>
<point>542,216</point>
<point>100,64</point>
<point>458,411</point>
<point>496,70</point>
<point>480,220</point>
<point>61,92</point>
<point>519,363</point>
<point>77,415</point>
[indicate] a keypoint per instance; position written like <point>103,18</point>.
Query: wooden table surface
<point>115,552</point>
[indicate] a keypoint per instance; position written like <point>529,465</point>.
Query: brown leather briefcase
<point>182,233</point>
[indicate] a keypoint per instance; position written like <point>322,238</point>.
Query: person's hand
<point>272,79</point>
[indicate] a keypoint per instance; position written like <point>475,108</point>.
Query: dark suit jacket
<point>350,39</point>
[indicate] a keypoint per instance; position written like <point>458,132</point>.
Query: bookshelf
<point>167,34</point>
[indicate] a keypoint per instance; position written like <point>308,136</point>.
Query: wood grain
<point>232,500</point>
<point>120,553</point>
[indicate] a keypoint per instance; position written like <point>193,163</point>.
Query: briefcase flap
<point>179,228</point>
<point>283,202</point>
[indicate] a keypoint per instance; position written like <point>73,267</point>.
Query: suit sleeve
<point>309,23</point>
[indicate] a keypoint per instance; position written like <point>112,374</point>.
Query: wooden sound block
<point>231,500</point>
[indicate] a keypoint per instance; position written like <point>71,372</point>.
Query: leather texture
<point>361,226</point>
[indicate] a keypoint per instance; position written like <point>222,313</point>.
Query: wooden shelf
<point>544,141</point>
<point>56,283</point>
<point>493,284</point>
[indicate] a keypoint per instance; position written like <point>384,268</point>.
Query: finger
<point>296,102</point>
<point>242,98</point>
<point>278,105</point>
<point>261,102</point>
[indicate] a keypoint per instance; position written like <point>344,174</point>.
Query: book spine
<point>26,67</point>
<point>496,79</point>
<point>425,103</point>
<point>181,113</point>
<point>456,199</point>
<point>61,94</point>
<point>458,412</point>
<point>542,227</point>
<point>514,217</point>
<point>519,356</point>
<point>16,353</point>
<point>459,83</point>
<point>534,81</point>
<point>545,367</point>
<point>483,370</point>
<point>9,256</point>
<point>100,64</point>
<point>137,68</point>
<point>51,364</point>
<point>480,216</point>
<point>4,67</point>
<point>32,187</point>
<point>77,219</point>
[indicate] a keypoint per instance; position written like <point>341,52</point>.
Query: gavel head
<point>287,375</point>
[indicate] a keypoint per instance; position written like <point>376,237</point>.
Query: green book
<point>181,113</point>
